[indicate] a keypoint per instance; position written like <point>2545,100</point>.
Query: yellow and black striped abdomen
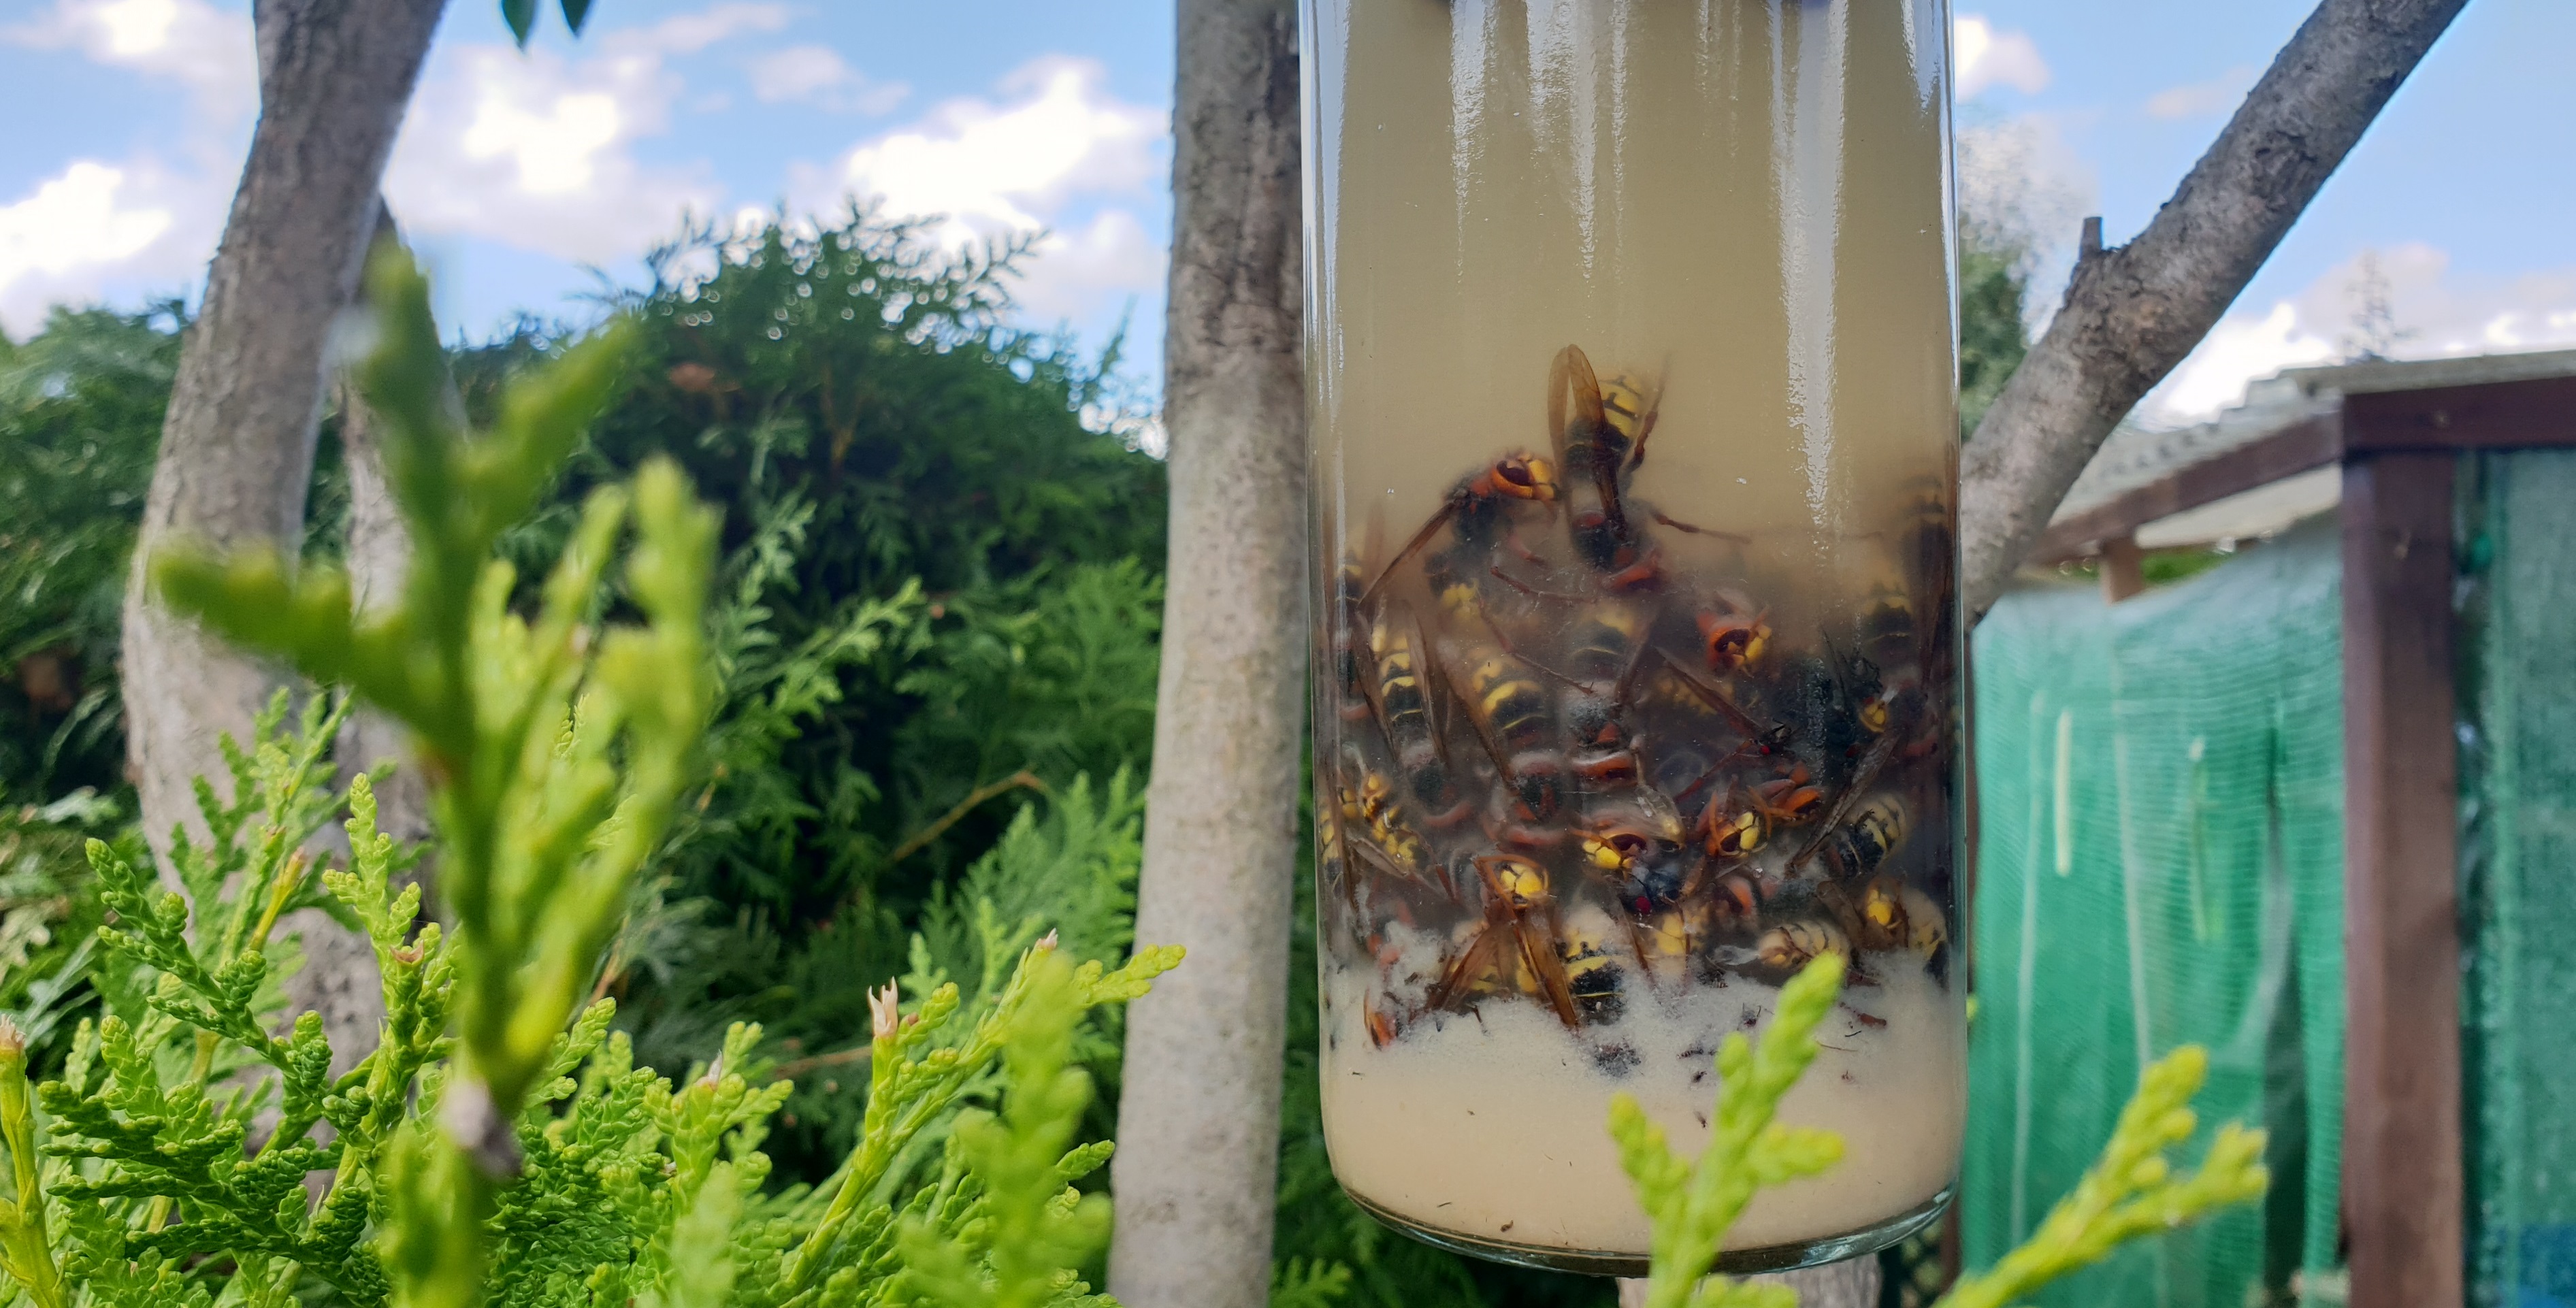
<point>1512,703</point>
<point>1602,644</point>
<point>1399,684</point>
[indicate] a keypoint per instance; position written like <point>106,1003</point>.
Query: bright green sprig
<point>555,747</point>
<point>26,1249</point>
<point>278,801</point>
<point>2131,1192</point>
<point>522,1160</point>
<point>701,1253</point>
<point>915,1082</point>
<point>1035,1227</point>
<point>416,973</point>
<point>210,947</point>
<point>158,1143</point>
<point>518,719</point>
<point>1692,1203</point>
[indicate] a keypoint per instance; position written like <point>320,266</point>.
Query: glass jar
<point>1632,392</point>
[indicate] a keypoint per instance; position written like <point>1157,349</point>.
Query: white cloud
<point>535,150</point>
<point>2023,186</point>
<point>2200,99</point>
<point>1077,274</point>
<point>2435,312</point>
<point>2021,181</point>
<point>1055,151</point>
<point>72,227</point>
<point>2241,348</point>
<point>107,228</point>
<point>986,169</point>
<point>1987,57</point>
<point>798,72</point>
<point>817,75</point>
<point>206,48</point>
<point>690,33</point>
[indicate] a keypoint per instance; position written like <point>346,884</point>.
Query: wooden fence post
<point>2402,1166</point>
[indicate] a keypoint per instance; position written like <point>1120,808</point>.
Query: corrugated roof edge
<point>2135,455</point>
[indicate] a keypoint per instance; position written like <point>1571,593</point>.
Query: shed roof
<point>2136,456</point>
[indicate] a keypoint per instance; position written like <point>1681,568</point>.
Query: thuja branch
<point>493,1146</point>
<point>26,1247</point>
<point>915,1079</point>
<point>2131,1192</point>
<point>555,746</point>
<point>1693,1203</point>
<point>975,798</point>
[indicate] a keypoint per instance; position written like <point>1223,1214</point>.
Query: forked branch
<point>2132,312</point>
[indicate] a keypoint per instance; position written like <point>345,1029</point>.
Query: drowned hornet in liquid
<point>1594,774</point>
<point>1631,382</point>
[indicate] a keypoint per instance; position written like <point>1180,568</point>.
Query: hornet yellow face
<point>1526,477</point>
<point>1614,851</point>
<point>1520,880</point>
<point>1898,916</point>
<point>1738,835</point>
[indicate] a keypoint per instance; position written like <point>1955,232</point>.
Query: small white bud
<point>885,1011</point>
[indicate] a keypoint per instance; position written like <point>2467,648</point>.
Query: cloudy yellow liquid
<point>1747,204</point>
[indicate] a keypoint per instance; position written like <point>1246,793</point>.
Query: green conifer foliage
<point>2130,1193</point>
<point>938,599</point>
<point>499,1145</point>
<point>1994,283</point>
<point>80,418</point>
<point>932,609</point>
<point>891,457</point>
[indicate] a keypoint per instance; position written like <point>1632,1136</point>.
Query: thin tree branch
<point>796,1067</point>
<point>2132,312</point>
<point>974,799</point>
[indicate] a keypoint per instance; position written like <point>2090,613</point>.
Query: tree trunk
<point>1196,1170</point>
<point>2133,312</point>
<point>379,561</point>
<point>339,978</point>
<point>237,445</point>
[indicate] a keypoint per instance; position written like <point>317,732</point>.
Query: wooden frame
<point>2403,1185</point>
<point>2527,414</point>
<point>2404,1182</point>
<point>2312,443</point>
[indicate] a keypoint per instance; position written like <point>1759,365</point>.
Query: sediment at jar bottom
<point>1493,1123</point>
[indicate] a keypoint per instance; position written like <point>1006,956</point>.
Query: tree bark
<point>237,444</point>
<point>2132,313</point>
<point>379,561</point>
<point>1196,1170</point>
<point>339,978</point>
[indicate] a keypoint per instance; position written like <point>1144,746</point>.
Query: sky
<point>526,178</point>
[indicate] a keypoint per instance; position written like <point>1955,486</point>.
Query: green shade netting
<point>2518,873</point>
<point>2160,862</point>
